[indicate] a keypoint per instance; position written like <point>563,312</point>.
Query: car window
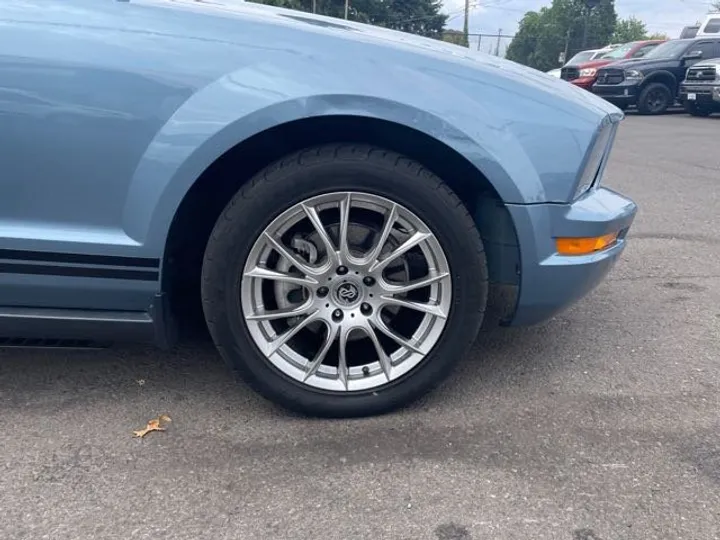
<point>707,48</point>
<point>619,52</point>
<point>670,49</point>
<point>642,51</point>
<point>580,57</point>
<point>713,26</point>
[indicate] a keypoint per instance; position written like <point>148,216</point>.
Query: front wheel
<point>655,98</point>
<point>344,281</point>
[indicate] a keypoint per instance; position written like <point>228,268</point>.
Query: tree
<point>630,29</point>
<point>565,25</point>
<point>715,6</point>
<point>421,17</point>
<point>658,35</point>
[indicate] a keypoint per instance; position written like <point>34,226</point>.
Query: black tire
<point>654,99</point>
<point>327,169</point>
<point>696,110</point>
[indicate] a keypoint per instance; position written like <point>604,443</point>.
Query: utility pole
<point>466,24</point>
<point>497,47</point>
<point>589,6</point>
<point>585,27</point>
<point>314,6</point>
<point>347,5</point>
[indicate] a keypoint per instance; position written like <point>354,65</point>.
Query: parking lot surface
<point>601,424</point>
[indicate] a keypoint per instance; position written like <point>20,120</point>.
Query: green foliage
<point>543,35</point>
<point>658,35</point>
<point>630,29</point>
<point>421,17</point>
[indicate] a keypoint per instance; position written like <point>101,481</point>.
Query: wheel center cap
<point>347,293</point>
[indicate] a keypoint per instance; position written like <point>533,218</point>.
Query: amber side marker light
<point>584,246</point>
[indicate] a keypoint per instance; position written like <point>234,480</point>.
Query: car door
<point>706,48</point>
<point>72,132</point>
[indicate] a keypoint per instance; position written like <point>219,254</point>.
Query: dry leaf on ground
<point>153,425</point>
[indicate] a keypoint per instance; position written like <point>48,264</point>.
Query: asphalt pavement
<point>602,424</point>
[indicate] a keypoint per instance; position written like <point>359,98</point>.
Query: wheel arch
<point>202,204</point>
<point>664,77</point>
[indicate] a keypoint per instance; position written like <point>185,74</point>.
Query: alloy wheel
<point>346,291</point>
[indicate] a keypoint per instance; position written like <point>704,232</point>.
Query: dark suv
<point>652,82</point>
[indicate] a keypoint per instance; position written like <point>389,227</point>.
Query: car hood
<point>592,64</point>
<point>712,63</point>
<point>641,64</point>
<point>334,28</point>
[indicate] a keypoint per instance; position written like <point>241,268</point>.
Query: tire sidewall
<point>282,187</point>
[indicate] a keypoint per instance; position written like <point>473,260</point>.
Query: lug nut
<point>369,281</point>
<point>366,371</point>
<point>342,270</point>
<point>365,308</point>
<point>322,292</point>
<point>337,315</point>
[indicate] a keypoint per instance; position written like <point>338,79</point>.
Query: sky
<point>487,16</point>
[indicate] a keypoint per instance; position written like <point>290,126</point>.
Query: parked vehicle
<point>700,91</point>
<point>588,55</point>
<point>347,203</point>
<point>584,74</point>
<point>710,26</point>
<point>554,72</point>
<point>584,56</point>
<point>689,32</point>
<point>652,82</point>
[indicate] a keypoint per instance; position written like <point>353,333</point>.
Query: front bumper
<point>585,83</point>
<point>704,94</point>
<point>550,282</point>
<point>625,93</point>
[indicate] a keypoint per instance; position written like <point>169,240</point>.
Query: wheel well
<point>195,218</point>
<point>664,78</point>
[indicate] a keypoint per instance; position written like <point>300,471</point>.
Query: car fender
<point>207,125</point>
<point>661,76</point>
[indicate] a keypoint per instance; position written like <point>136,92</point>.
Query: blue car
<point>344,205</point>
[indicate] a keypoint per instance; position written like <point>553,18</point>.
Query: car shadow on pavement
<point>194,370</point>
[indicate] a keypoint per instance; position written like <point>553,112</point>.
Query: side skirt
<point>77,328</point>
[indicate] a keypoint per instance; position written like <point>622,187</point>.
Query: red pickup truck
<point>584,74</point>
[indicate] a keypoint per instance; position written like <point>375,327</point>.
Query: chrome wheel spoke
<point>322,352</point>
<point>390,220</point>
<point>288,334</point>
<point>431,309</point>
<point>343,372</point>
<point>414,240</point>
<point>290,257</point>
<point>266,273</point>
<point>397,338</point>
<point>276,314</point>
<point>383,358</point>
<point>317,223</point>
<point>345,205</point>
<point>413,285</point>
